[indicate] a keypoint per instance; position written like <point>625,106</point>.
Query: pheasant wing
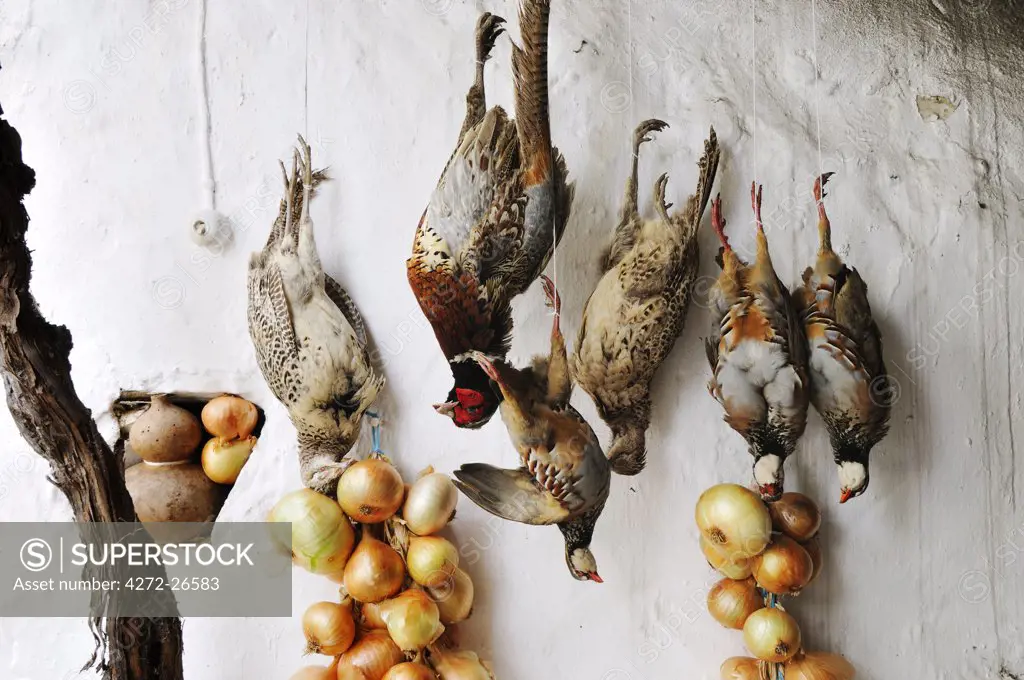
<point>514,495</point>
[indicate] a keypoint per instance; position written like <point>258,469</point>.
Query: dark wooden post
<point>36,371</point>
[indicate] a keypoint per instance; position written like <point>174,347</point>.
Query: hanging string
<point>817,101</point>
<point>206,172</point>
<point>753,77</point>
<point>375,428</point>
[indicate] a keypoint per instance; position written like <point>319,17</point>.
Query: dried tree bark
<point>36,371</point>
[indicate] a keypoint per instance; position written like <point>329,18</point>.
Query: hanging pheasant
<point>758,357</point>
<point>849,384</point>
<point>638,309</point>
<point>493,219</point>
<point>309,337</point>
<point>565,477</point>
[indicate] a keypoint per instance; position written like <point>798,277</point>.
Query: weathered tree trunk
<point>36,370</point>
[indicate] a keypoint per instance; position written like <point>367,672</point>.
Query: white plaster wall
<point>923,575</point>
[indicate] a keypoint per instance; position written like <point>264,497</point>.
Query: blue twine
<point>374,432</point>
<point>772,600</point>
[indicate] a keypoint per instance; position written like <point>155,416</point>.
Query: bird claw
<point>819,186</point>
<point>659,196</point>
<point>643,131</point>
<point>488,28</point>
<point>755,203</point>
<point>551,297</point>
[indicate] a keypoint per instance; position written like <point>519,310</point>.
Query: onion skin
<point>223,459</point>
<point>372,618</point>
<point>771,635</point>
<point>740,668</point>
<point>329,628</point>
<point>732,602</point>
<point>322,537</point>
<point>372,656</point>
<point>796,515</point>
<point>316,673</point>
<point>375,571</point>
<point>431,560</point>
<point>430,504</point>
<point>460,666</point>
<point>819,666</point>
<point>410,671</point>
<point>813,548</point>
<point>736,570</point>
<point>413,620</point>
<point>734,520</point>
<point>230,417</point>
<point>454,598</point>
<point>371,491</point>
<point>784,568</point>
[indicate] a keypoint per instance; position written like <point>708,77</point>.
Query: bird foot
<point>659,196</point>
<point>488,28</point>
<point>643,131</point>
<point>718,222</point>
<point>755,203</point>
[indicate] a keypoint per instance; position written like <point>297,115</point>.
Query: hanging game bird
<point>758,357</point>
<point>309,337</point>
<point>638,308</point>
<point>490,226</point>
<point>849,384</point>
<point>565,477</point>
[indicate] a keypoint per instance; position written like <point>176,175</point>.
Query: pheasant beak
<point>845,495</point>
<point>593,576</point>
<point>447,408</point>
<point>770,492</point>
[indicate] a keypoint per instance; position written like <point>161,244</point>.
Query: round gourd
<point>165,433</point>
<point>173,493</point>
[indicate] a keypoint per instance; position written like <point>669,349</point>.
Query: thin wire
<point>753,77</point>
<point>209,186</point>
<point>817,101</point>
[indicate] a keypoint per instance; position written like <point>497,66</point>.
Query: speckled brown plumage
<point>638,308</point>
<point>309,337</point>
<point>492,221</point>
<point>849,384</point>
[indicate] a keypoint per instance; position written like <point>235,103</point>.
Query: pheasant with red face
<point>849,384</point>
<point>492,222</point>
<point>758,357</point>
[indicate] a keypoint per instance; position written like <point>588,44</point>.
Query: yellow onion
<point>371,491</point>
<point>370,657</point>
<point>413,620</point>
<point>316,673</point>
<point>740,668</point>
<point>223,459</point>
<point>329,628</point>
<point>795,515</point>
<point>374,572</point>
<point>454,598</point>
<point>784,568</point>
<point>430,503</point>
<point>431,560</point>
<point>230,417</point>
<point>322,537</point>
<point>371,617</point>
<point>734,520</point>
<point>813,548</point>
<point>737,570</point>
<point>819,666</point>
<point>460,666</point>
<point>771,635</point>
<point>410,671</point>
<point>732,602</point>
